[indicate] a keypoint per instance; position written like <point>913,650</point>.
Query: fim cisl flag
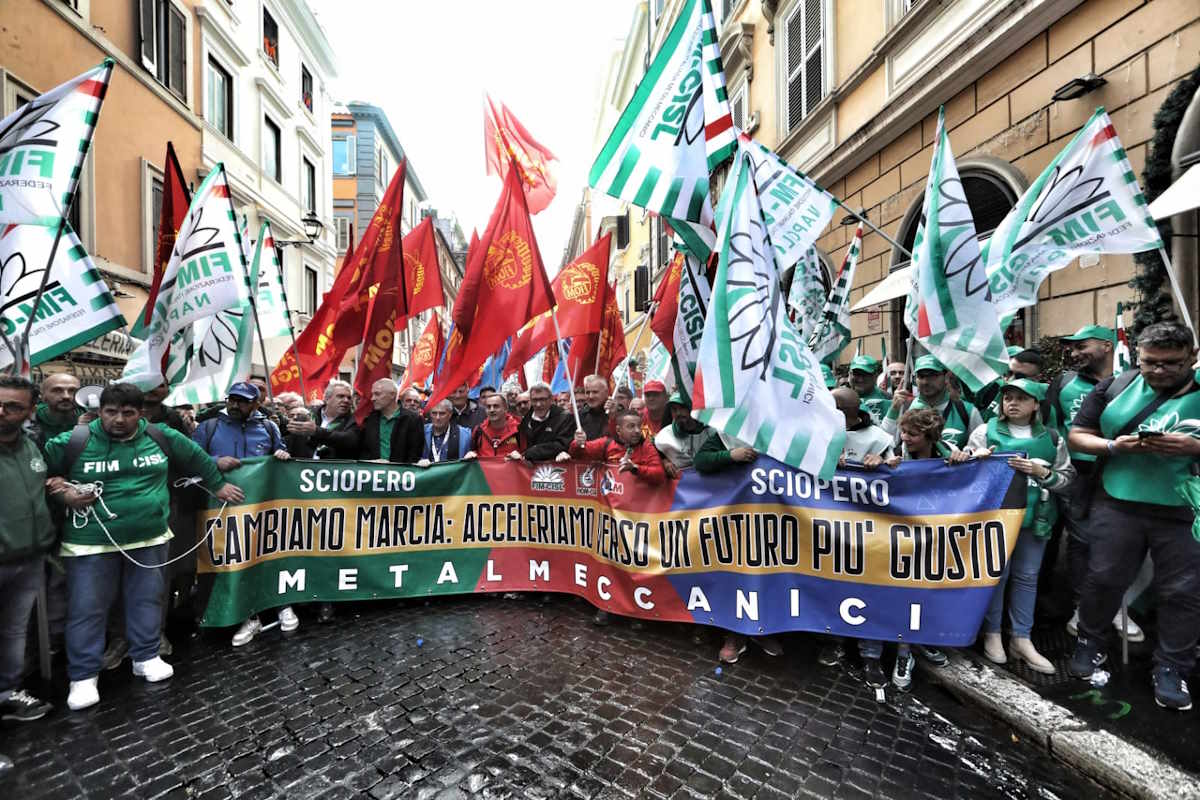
<point>267,281</point>
<point>43,145</point>
<point>205,276</point>
<point>756,380</point>
<point>76,306</point>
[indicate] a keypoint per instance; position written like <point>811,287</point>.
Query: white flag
<point>832,333</point>
<point>267,281</point>
<point>206,275</point>
<point>689,321</point>
<point>757,381</point>
<point>76,306</point>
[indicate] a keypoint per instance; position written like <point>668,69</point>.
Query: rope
<point>79,519</point>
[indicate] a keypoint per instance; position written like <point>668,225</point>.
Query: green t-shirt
<point>1069,399</point>
<point>385,434</point>
<point>876,403</point>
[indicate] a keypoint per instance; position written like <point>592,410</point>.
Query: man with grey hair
<point>546,431</point>
<point>521,408</point>
<point>390,433</point>
<point>411,400</point>
<point>444,440</point>
<point>592,415</point>
<point>331,432</point>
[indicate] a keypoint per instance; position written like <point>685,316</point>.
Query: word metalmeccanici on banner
<point>910,554</point>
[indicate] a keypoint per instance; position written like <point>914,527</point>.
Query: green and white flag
<point>659,364</point>
<point>795,208</point>
<point>43,145</point>
<point>205,276</point>
<point>76,306</point>
<point>267,281</point>
<point>949,308</point>
<point>675,130</point>
<point>1087,201</point>
<point>694,295</point>
<point>832,333</point>
<point>756,380</point>
<point>807,296</point>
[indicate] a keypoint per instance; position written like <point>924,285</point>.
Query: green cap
<point>928,362</point>
<point>1092,332</point>
<point>1014,349</point>
<point>1032,388</point>
<point>676,399</point>
<point>864,364</point>
<point>830,378</point>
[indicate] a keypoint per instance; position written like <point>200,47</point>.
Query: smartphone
<point>1149,434</point>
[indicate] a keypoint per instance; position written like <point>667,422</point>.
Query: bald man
<point>390,433</point>
<point>57,413</point>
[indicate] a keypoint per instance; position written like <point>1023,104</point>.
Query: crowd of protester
<point>1100,462</point>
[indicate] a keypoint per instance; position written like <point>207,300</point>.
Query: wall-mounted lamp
<point>312,228</point>
<point>1078,87</point>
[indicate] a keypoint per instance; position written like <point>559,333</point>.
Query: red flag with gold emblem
<point>505,142</point>
<point>579,297</point>
<point>508,287</point>
<point>666,304</point>
<point>422,278</point>
<point>425,352</point>
<point>601,352</point>
<point>381,260</point>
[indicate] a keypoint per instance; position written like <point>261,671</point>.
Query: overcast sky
<point>428,64</point>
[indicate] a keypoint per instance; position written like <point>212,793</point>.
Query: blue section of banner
<point>915,488</point>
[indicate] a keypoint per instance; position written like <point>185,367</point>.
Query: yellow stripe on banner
<point>940,551</point>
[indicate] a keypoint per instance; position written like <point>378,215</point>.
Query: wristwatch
<point>1112,446</point>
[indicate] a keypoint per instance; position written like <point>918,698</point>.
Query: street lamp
<point>312,228</point>
<point>1078,87</point>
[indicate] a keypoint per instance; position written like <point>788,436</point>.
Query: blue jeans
<point>19,582</point>
<point>1021,578</point>
<point>873,648</point>
<point>92,584</point>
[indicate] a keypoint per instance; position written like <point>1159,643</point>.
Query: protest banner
<point>910,554</point>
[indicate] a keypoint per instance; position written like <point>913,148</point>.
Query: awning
<point>1183,195</point>
<point>896,284</point>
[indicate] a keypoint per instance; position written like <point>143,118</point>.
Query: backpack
<point>82,433</point>
<point>210,427</point>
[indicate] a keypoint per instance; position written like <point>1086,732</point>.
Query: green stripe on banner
<point>83,146</point>
<point>67,345</point>
<point>642,198</point>
<point>77,253</point>
<point>673,194</point>
<point>100,302</point>
<point>736,420</point>
<point>708,36</point>
<point>722,96</point>
<point>766,432</point>
<point>714,67</point>
<point>627,165</point>
<point>89,277</point>
<point>1137,198</point>
<point>699,195</point>
<point>798,447</point>
<point>1118,154</point>
<point>90,117</point>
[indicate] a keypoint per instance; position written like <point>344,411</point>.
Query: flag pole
<point>636,339</point>
<point>862,218</point>
<point>1183,309</point>
<point>250,291</point>
<point>570,379</point>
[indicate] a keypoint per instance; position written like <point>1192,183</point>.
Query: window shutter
<point>737,109</point>
<point>641,288</point>
<point>814,46</point>
<point>146,31</point>
<point>795,67</point>
<point>176,51</point>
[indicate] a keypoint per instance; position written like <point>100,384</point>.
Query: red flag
<point>508,288</point>
<point>579,291</point>
<point>175,202</point>
<point>422,278</point>
<point>601,352</point>
<point>380,258</point>
<point>550,364</point>
<point>425,352</point>
<point>666,304</point>
<point>505,141</point>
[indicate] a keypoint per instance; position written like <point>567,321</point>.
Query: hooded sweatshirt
<point>134,477</point>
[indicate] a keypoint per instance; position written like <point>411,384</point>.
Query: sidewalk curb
<point>1117,764</point>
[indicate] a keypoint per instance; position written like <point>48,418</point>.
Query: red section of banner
<point>506,142</point>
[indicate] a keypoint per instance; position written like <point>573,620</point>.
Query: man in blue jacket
<point>240,430</point>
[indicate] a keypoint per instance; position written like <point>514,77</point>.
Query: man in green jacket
<point>864,371</point>
<point>57,412</point>
<point>116,534</point>
<point>26,535</point>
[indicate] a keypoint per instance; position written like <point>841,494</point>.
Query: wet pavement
<point>484,697</point>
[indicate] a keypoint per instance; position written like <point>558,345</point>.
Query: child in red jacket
<point>631,451</point>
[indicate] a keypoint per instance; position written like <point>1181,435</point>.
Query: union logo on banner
<point>585,481</point>
<point>509,262</point>
<point>417,270</point>
<point>548,479</point>
<point>579,282</point>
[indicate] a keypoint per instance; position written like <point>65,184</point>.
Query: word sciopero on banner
<point>908,554</point>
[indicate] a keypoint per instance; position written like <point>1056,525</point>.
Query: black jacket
<point>339,442</point>
<point>594,421</point>
<point>542,441</point>
<point>471,415</point>
<point>408,438</point>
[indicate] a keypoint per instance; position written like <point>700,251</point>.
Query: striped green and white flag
<point>832,333</point>
<point>205,276</point>
<point>949,308</point>
<point>694,296</point>
<point>43,145</point>
<point>756,380</point>
<point>675,130</point>
<point>76,307</point>
<point>1087,201</point>
<point>267,281</point>
<point>807,295</point>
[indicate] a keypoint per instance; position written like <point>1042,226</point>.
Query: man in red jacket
<point>497,434</point>
<point>632,451</point>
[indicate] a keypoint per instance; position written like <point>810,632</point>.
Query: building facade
<point>153,97</point>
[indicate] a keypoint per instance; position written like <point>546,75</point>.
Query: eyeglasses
<point>1164,366</point>
<point>13,407</point>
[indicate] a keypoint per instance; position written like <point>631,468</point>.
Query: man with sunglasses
<point>1143,428</point>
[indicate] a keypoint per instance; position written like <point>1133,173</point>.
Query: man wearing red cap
<point>654,415</point>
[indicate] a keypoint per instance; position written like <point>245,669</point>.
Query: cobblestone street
<point>479,696</point>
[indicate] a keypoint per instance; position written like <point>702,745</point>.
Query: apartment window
<point>310,184</point>
<point>163,29</point>
<point>271,157</point>
<point>664,245</point>
<point>343,155</point>
<point>345,232</point>
<point>310,290</point>
<point>737,108</point>
<point>306,89</point>
<point>384,169</point>
<point>805,53</point>
<point>220,98</point>
<point>271,37</point>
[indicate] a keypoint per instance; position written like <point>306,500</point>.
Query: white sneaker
<point>1073,623</point>
<point>83,694</point>
<point>247,632</point>
<point>1133,631</point>
<point>154,670</point>
<point>288,621</point>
